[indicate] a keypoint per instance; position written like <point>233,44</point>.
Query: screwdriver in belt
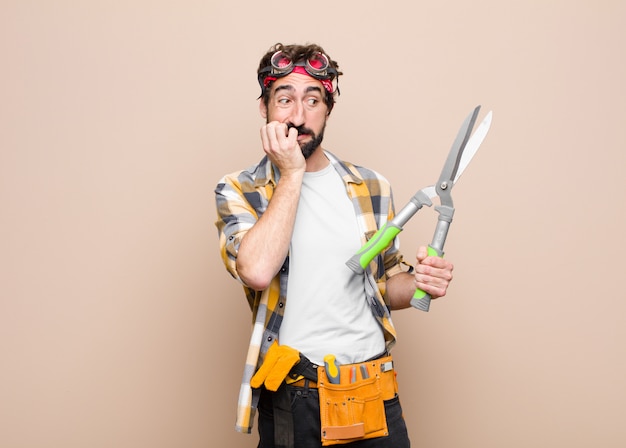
<point>332,369</point>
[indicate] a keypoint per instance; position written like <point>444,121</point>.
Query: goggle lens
<point>280,62</point>
<point>318,62</point>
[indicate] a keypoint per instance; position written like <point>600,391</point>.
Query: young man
<point>287,226</point>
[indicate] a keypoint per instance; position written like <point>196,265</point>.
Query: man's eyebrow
<point>284,87</point>
<point>314,88</point>
<point>292,88</point>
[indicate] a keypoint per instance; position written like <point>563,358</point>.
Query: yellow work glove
<point>277,363</point>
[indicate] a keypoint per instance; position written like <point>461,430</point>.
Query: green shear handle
<point>385,235</point>
<point>421,299</point>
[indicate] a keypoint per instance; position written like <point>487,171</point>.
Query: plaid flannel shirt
<point>241,199</point>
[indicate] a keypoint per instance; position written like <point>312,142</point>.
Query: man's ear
<point>263,108</point>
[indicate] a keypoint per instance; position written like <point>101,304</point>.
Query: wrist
<point>292,176</point>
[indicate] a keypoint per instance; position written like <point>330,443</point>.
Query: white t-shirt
<point>326,310</point>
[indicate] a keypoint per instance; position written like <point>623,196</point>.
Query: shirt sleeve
<point>235,216</point>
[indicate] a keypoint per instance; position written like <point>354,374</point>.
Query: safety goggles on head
<point>317,66</point>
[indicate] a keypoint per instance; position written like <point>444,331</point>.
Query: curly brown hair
<point>298,53</point>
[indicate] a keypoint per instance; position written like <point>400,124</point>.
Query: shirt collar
<point>269,173</point>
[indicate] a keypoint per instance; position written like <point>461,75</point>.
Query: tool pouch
<point>352,411</point>
<point>276,365</point>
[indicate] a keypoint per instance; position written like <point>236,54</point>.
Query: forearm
<point>431,274</point>
<point>265,246</point>
<point>400,290</point>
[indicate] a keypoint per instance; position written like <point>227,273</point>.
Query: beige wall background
<point>119,326</point>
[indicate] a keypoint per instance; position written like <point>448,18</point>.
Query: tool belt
<point>350,410</point>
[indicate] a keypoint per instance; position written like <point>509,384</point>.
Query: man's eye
<point>312,101</point>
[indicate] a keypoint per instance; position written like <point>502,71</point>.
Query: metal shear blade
<point>464,157</point>
<point>450,168</point>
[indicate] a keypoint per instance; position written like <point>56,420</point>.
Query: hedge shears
<point>463,150</point>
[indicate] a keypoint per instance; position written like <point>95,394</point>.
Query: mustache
<point>301,129</point>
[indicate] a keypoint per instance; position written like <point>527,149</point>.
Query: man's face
<point>298,101</point>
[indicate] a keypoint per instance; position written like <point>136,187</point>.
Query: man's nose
<point>297,114</point>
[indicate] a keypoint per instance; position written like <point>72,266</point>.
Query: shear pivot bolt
<point>444,185</point>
